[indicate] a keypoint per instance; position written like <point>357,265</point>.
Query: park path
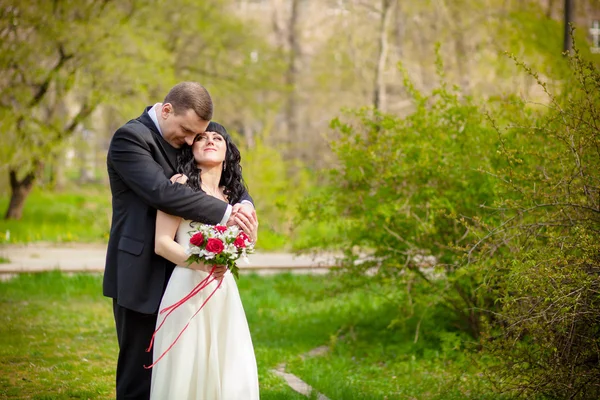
<point>79,257</point>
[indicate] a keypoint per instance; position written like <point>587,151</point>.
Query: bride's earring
<point>224,166</point>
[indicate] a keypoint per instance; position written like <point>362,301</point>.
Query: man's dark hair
<point>191,96</point>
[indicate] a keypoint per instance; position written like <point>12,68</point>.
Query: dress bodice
<point>184,233</point>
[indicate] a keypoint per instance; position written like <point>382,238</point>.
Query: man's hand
<point>244,216</point>
<point>246,209</point>
<point>179,178</point>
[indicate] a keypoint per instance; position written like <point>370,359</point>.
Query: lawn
<point>77,215</point>
<point>57,341</point>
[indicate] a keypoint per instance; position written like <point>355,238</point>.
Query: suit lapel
<point>169,151</point>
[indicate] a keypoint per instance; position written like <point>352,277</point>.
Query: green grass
<point>57,341</point>
<point>79,215</point>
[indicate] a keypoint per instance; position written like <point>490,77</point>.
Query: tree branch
<point>45,85</point>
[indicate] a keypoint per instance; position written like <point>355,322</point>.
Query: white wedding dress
<point>214,358</point>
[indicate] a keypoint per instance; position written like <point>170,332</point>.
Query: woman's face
<point>209,149</point>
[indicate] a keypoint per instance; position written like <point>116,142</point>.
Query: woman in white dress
<point>213,357</point>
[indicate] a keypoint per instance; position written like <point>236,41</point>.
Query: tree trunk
<point>379,93</point>
<point>291,112</point>
<point>19,192</point>
<point>248,134</point>
<point>568,41</point>
<point>549,9</point>
<point>399,31</point>
<point>460,48</point>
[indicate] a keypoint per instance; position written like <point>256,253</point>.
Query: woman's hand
<point>179,178</point>
<point>218,273</point>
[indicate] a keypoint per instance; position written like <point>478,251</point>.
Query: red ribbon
<point>203,284</point>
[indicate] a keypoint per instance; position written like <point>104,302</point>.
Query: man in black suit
<point>141,158</point>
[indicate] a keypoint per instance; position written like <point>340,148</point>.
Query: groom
<point>141,157</point>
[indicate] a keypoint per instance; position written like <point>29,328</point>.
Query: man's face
<point>182,128</point>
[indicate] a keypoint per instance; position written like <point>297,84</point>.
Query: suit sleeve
<point>246,197</point>
<point>131,158</point>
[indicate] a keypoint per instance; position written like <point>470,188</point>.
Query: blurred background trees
<point>279,72</point>
<point>73,71</point>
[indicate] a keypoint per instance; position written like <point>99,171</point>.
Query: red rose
<point>220,228</point>
<point>214,245</point>
<point>244,236</point>
<point>240,243</point>
<point>197,239</point>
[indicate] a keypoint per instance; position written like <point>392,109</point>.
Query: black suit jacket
<point>140,163</point>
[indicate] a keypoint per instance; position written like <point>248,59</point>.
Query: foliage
<point>64,62</point>
<point>402,191</point>
<point>64,56</point>
<point>275,194</point>
<point>496,209</point>
<point>549,337</point>
<point>57,62</point>
<point>205,42</point>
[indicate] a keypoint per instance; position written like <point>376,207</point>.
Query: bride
<point>213,359</point>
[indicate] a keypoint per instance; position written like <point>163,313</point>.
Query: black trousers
<point>134,331</point>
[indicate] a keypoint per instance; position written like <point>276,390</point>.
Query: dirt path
<point>91,257</point>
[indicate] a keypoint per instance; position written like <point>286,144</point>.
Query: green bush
<point>491,212</point>
<point>548,332</point>
<point>403,190</point>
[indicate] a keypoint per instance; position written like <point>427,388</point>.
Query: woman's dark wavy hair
<point>231,177</point>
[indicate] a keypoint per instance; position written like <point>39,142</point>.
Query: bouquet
<point>212,245</point>
<point>219,245</point>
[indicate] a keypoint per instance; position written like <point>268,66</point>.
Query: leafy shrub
<point>548,336</point>
<point>402,191</point>
<point>496,213</point>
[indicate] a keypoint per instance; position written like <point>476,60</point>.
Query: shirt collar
<point>154,118</point>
